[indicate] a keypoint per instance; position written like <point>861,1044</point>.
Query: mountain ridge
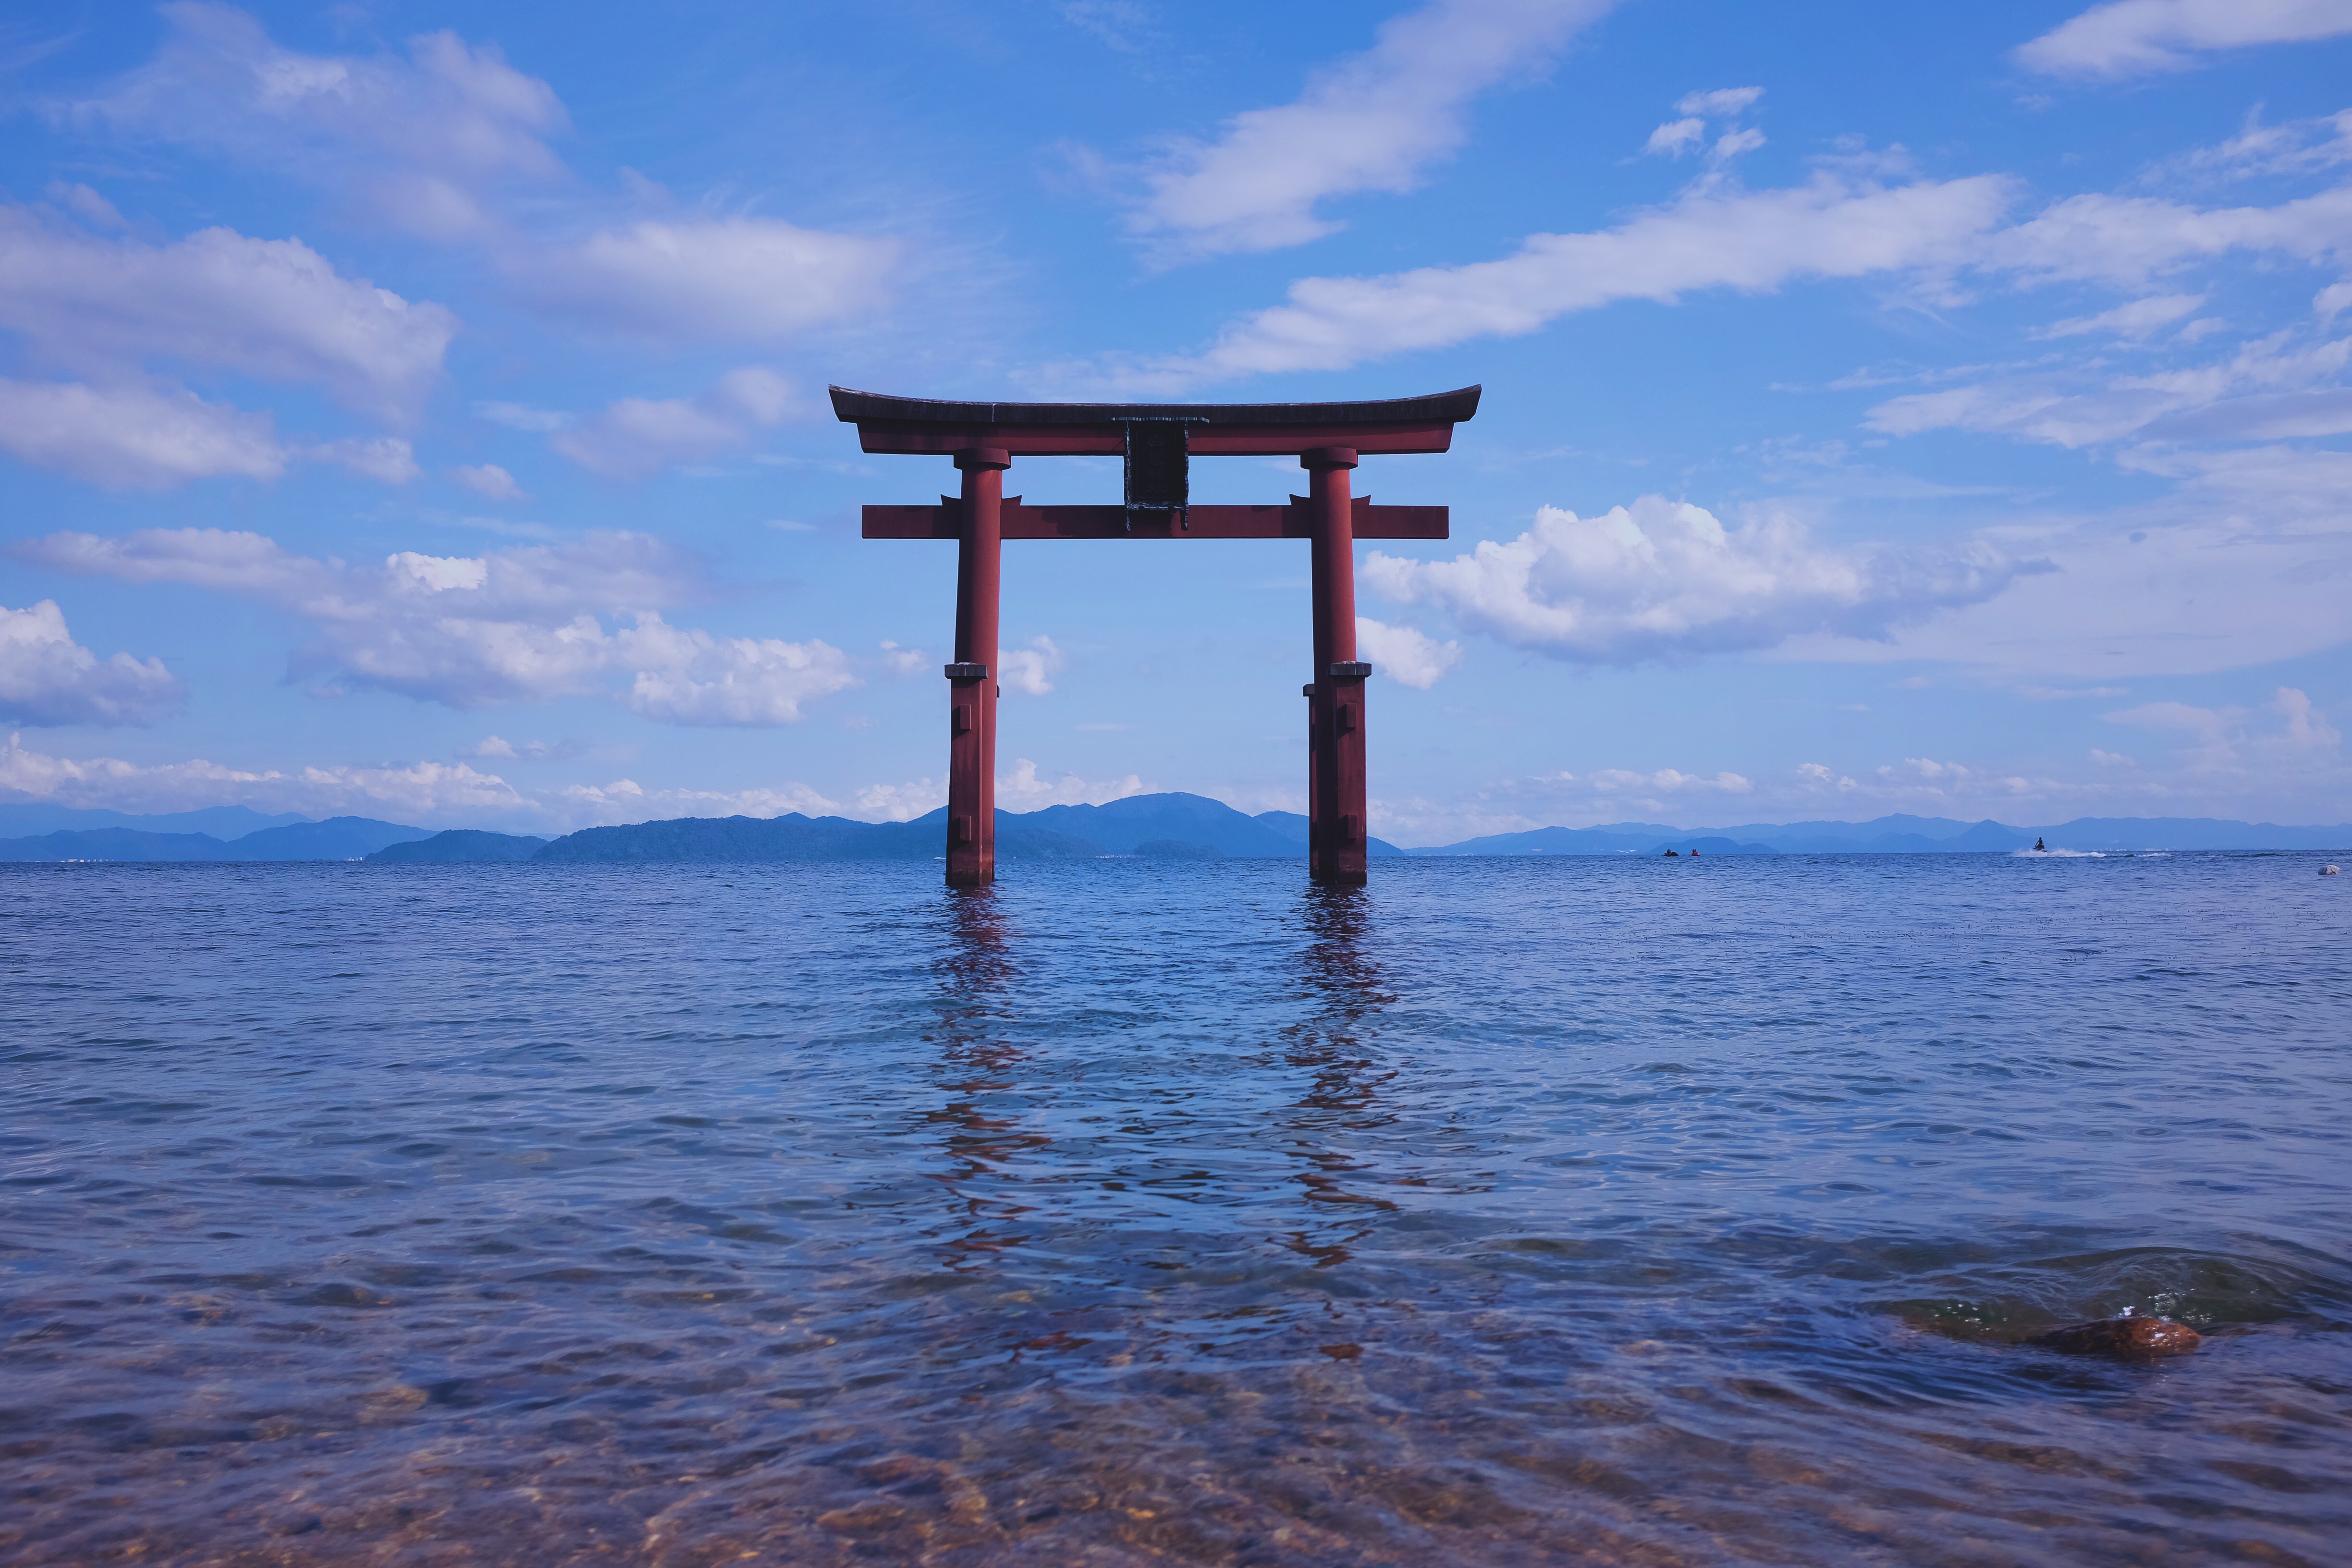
<point>1169,825</point>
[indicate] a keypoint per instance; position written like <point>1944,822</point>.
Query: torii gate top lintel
<point>1156,442</point>
<point>923,425</point>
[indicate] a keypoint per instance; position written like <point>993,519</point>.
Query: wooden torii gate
<point>1157,441</point>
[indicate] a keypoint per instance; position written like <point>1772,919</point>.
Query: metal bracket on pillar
<point>1352,670</point>
<point>967,672</point>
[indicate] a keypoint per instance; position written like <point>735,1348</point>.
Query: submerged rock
<point>2132,1339</point>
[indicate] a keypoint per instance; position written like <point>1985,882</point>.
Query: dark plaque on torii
<point>1158,442</point>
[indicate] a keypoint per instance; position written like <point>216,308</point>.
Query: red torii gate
<point>1156,441</point>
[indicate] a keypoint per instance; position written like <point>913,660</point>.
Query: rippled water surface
<point>1507,1212</point>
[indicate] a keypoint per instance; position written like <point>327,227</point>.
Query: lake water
<point>1505,1211</point>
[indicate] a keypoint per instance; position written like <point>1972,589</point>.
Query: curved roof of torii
<point>914,424</point>
<point>1436,408</point>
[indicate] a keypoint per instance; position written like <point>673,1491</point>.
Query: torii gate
<point>1157,440</point>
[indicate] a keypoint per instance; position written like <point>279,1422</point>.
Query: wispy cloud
<point>2137,37</point>
<point>1373,121</point>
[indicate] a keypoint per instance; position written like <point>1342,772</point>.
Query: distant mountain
<point>798,838</point>
<point>1120,825</point>
<point>2112,833</point>
<point>337,838</point>
<point>114,844</point>
<point>1908,835</point>
<point>459,844</point>
<point>1618,839</point>
<point>223,822</point>
<point>1160,825</point>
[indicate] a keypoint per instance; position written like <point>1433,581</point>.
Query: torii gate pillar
<point>1335,698</point>
<point>972,679</point>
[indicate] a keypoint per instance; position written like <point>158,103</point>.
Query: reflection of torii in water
<point>975,972</point>
<point>1346,1079</point>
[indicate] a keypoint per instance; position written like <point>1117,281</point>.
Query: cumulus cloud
<point>514,626</point>
<point>2135,37</point>
<point>46,677</point>
<point>1373,121</point>
<point>636,436</point>
<point>1665,579</point>
<point>694,677</point>
<point>1408,657</point>
<point>1844,222</point>
<point>273,308</point>
<point>2219,739</point>
<point>134,437</point>
<point>1027,670</point>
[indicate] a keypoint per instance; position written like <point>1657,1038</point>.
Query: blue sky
<point>418,411</point>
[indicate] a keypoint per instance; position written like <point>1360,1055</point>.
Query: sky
<point>418,412</point>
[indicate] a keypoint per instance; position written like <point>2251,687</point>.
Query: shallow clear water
<point>1507,1212</point>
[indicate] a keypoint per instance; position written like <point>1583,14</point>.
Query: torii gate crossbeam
<point>1156,442</point>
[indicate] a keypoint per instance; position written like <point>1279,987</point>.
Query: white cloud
<point>2135,319</point>
<point>1676,137</point>
<point>1843,223</point>
<point>902,802</point>
<point>514,626</point>
<point>1664,579</point>
<point>2293,147</point>
<point>46,677</point>
<point>904,660</point>
<point>2128,240</point>
<point>518,417</point>
<point>422,793</point>
<point>1118,24</point>
<point>2217,739</point>
<point>636,436</point>
<point>451,143</point>
<point>1027,670</point>
<point>1405,655</point>
<point>385,458</point>
<point>414,140</point>
<point>1722,103</point>
<point>275,309</point>
<point>1024,790</point>
<point>488,479</point>
<point>1373,121</point>
<point>727,280</point>
<point>132,437</point>
<point>2202,401</point>
<point>2133,38</point>
<point>694,677</point>
<point>626,800</point>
